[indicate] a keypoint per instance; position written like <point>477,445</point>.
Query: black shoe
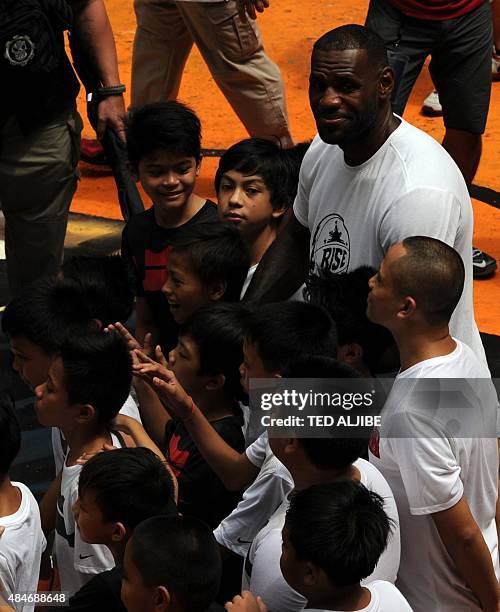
<point>483,265</point>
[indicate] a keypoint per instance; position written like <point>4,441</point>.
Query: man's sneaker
<point>432,106</point>
<point>495,65</point>
<point>91,152</point>
<point>483,265</point>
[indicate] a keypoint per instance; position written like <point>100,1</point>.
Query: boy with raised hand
<point>164,150</point>
<point>171,564</point>
<point>85,388</point>
<point>21,537</point>
<point>445,486</point>
<point>333,537</point>
<point>275,333</point>
<point>117,490</point>
<point>256,183</point>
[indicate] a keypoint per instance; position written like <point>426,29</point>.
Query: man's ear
<point>132,170</point>
<point>85,413</point>
<point>198,165</point>
<point>216,290</point>
<point>215,383</point>
<point>408,308</point>
<point>161,599</point>
<point>291,446</point>
<point>119,532</point>
<point>386,83</point>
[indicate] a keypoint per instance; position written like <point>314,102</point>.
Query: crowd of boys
<point>162,501</point>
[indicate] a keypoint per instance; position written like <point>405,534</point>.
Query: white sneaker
<point>431,106</point>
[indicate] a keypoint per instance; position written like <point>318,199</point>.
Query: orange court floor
<point>289,29</point>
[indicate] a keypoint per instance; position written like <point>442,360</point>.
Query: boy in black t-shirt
<point>164,149</point>
<point>205,361</point>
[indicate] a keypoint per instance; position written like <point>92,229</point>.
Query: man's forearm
<point>284,266</point>
<point>92,26</point>
<point>465,544</point>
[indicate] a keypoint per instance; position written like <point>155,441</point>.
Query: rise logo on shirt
<point>177,457</point>
<point>331,245</point>
<point>155,268</point>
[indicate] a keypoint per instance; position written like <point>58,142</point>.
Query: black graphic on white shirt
<point>331,245</point>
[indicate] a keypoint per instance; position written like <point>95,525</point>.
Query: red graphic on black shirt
<point>155,268</point>
<point>374,443</point>
<point>177,457</point>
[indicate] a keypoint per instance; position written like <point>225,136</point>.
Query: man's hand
<point>252,7</point>
<point>82,459</point>
<point>246,602</point>
<point>111,113</point>
<point>168,388</point>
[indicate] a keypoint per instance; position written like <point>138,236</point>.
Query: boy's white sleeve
<point>256,452</point>
<point>237,531</point>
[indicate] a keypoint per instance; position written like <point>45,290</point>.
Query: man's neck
<point>10,497</point>
<point>175,217</point>
<point>85,439</point>
<point>358,152</point>
<point>308,475</point>
<point>416,346</point>
<point>118,550</point>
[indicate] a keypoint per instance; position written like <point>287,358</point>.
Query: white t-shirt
<point>59,446</point>
<point>409,187</point>
<point>385,598</point>
<point>77,561</point>
<point>21,547</point>
<point>431,474</point>
<point>260,500</point>
<point>262,575</point>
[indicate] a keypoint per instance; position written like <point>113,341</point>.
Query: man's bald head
<point>433,274</point>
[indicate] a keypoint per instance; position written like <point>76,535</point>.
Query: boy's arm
<point>154,416</point>
<point>233,468</point>
<point>48,505</point>
<point>465,544</point>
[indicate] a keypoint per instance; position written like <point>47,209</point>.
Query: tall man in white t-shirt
<point>445,485</point>
<point>368,180</point>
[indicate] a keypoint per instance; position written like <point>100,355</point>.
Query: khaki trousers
<point>38,177</point>
<point>231,48</point>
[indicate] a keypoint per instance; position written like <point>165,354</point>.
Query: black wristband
<point>114,90</point>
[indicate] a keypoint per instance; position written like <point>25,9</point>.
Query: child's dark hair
<point>97,371</point>
<point>169,126</point>
<point>130,485</point>
<point>217,253</point>
<point>284,330</point>
<point>328,453</point>
<point>344,296</point>
<point>181,554</point>
<point>46,312</point>
<point>10,433</point>
<point>218,331</point>
<point>278,168</point>
<point>340,527</point>
<point>106,283</point>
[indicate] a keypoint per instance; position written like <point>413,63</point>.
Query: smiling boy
<point>164,149</point>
